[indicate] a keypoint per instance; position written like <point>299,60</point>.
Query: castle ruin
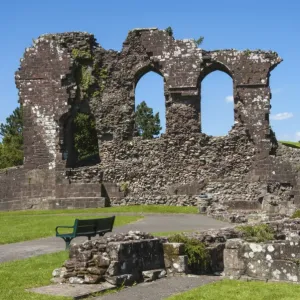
<point>62,74</point>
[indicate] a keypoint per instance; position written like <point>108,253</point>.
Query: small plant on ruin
<point>296,214</point>
<point>169,31</point>
<point>194,249</point>
<point>247,52</point>
<point>124,187</point>
<point>81,54</point>
<point>199,41</point>
<point>257,233</point>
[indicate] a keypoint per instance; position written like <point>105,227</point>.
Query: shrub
<point>169,31</point>
<point>195,250</point>
<point>257,233</point>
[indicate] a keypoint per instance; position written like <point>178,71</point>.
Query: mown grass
<point>242,290</point>
<point>19,275</point>
<point>290,144</point>
<point>159,209</point>
<point>18,228</point>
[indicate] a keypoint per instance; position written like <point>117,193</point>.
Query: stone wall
<point>118,259</point>
<point>63,74</point>
<point>277,260</point>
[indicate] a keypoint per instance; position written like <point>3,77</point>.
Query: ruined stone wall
<point>277,260</point>
<point>62,74</point>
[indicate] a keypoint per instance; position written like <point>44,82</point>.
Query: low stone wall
<point>276,260</point>
<point>118,259</point>
<point>138,257</point>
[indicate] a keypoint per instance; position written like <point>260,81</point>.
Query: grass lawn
<point>162,209</point>
<point>290,144</point>
<point>23,227</point>
<point>19,275</point>
<point>241,290</point>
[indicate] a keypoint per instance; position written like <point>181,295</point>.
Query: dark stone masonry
<point>63,74</point>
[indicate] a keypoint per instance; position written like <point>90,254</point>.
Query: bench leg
<point>68,242</point>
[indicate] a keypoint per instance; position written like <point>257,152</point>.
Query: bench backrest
<point>93,226</point>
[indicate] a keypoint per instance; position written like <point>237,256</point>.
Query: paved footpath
<point>160,289</point>
<point>150,223</point>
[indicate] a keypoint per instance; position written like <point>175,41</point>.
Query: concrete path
<point>150,223</point>
<point>160,289</point>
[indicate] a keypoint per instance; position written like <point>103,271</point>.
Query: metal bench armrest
<point>56,229</point>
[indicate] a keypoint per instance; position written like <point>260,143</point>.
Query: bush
<point>257,233</point>
<point>198,256</point>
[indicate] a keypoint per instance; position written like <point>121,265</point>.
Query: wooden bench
<point>88,228</point>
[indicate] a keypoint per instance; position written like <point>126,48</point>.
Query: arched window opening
<point>80,142</point>
<point>217,104</point>
<point>150,111</point>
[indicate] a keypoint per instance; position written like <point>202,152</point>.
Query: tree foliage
<point>85,136</point>
<point>11,147</point>
<point>147,124</point>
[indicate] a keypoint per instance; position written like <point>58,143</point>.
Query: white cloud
<point>281,116</point>
<point>229,99</point>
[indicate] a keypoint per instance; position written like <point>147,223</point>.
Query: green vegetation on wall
<point>257,233</point>
<point>195,250</point>
<point>90,75</point>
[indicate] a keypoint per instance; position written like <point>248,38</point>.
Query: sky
<point>268,25</point>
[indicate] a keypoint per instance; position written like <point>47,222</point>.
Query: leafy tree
<point>11,147</point>
<point>147,124</point>
<point>85,136</point>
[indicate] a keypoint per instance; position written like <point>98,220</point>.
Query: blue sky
<point>224,24</point>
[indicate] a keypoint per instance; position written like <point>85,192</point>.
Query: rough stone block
<point>171,249</point>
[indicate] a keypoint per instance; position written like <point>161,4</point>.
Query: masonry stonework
<point>62,74</point>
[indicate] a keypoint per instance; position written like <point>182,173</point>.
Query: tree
<point>147,124</point>
<point>85,136</point>
<point>11,147</point>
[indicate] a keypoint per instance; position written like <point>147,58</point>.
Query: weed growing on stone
<point>199,41</point>
<point>194,249</point>
<point>257,233</point>
<point>169,31</point>
<point>296,214</point>
<point>81,54</point>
